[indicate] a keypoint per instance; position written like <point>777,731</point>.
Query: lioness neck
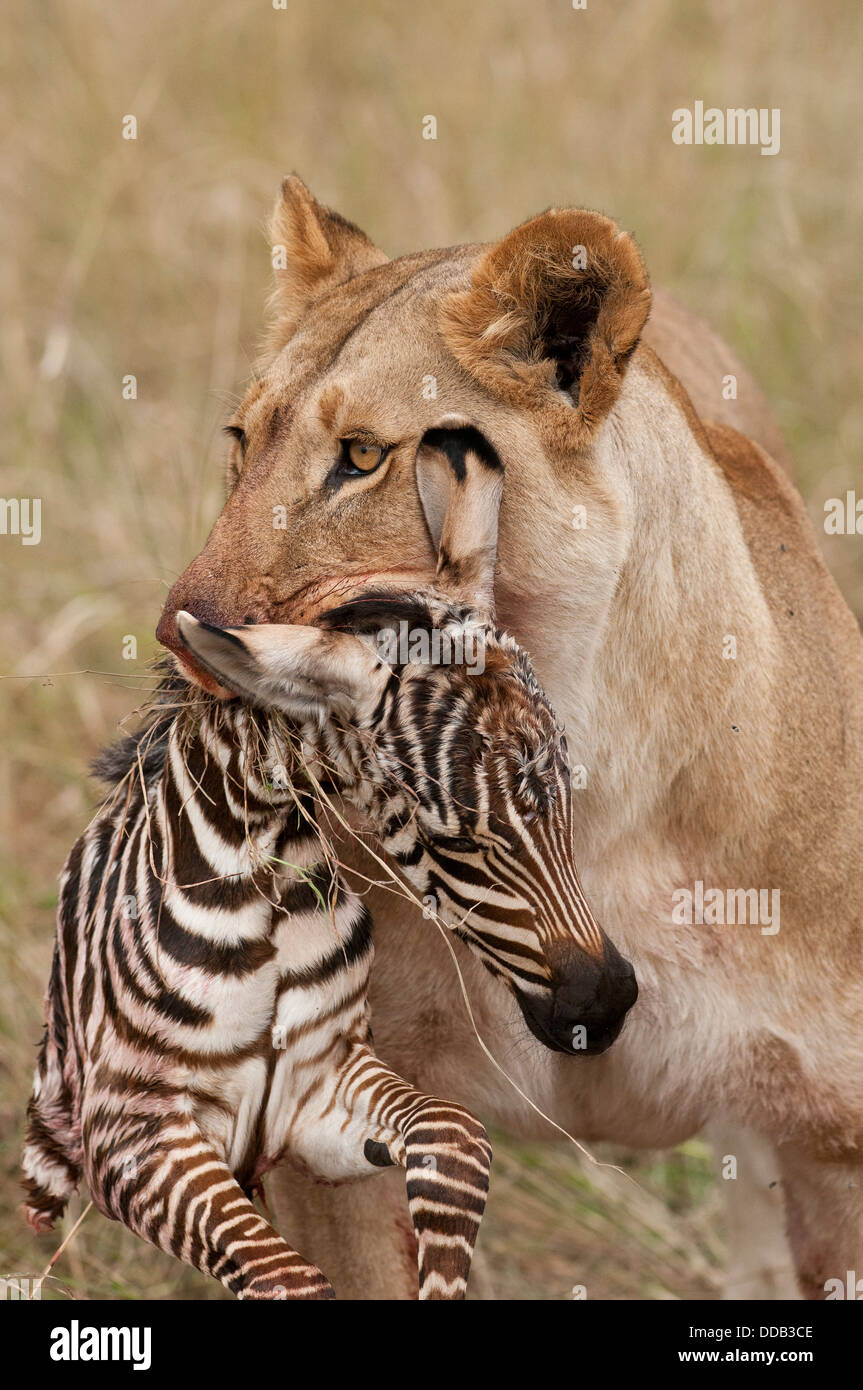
<point>663,651</point>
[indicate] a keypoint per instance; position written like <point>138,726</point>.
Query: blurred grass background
<point>147,257</point>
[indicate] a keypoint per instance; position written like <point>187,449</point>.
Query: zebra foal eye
<point>462,844</point>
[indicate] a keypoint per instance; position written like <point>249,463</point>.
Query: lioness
<point>662,572</point>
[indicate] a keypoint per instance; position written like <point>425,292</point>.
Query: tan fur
<point>743,772</point>
<point>321,250</point>
<point>493,328</point>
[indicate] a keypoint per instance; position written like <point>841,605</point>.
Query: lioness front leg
<point>359,1232</point>
<point>824,1212</point>
<point>759,1260</point>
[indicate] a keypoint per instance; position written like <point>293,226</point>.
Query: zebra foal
<point>207,1014</point>
<point>224,1025</point>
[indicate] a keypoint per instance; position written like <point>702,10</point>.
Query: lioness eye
<point>363,457</point>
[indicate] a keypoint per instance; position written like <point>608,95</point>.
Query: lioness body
<point>735,764</point>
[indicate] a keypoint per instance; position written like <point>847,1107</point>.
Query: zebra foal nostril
<point>583,1011</point>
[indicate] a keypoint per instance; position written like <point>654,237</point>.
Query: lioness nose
<point>178,598</point>
<point>167,634</point>
<point>166,631</point>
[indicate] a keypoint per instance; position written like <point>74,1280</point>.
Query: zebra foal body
<point>208,1014</point>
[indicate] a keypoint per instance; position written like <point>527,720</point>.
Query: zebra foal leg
<point>169,1185</point>
<point>446,1155</point>
<point>447,1162</point>
<point>379,1120</point>
<point>51,1157</point>
<point>51,1160</point>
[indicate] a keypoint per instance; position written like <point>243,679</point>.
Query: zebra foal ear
<point>460,482</point>
<point>302,671</point>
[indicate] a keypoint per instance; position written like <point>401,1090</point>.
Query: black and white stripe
<point>208,1006</point>
<point>207,1013</point>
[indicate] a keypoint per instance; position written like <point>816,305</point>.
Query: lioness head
<point>379,374</point>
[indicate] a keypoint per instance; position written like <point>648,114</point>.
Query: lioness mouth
<point>303,607</point>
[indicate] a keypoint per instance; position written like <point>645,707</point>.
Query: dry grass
<point>146,257</point>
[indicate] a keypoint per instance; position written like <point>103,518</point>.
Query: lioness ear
<point>314,249</point>
<point>460,482</point>
<point>303,671</point>
<point>556,306</point>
